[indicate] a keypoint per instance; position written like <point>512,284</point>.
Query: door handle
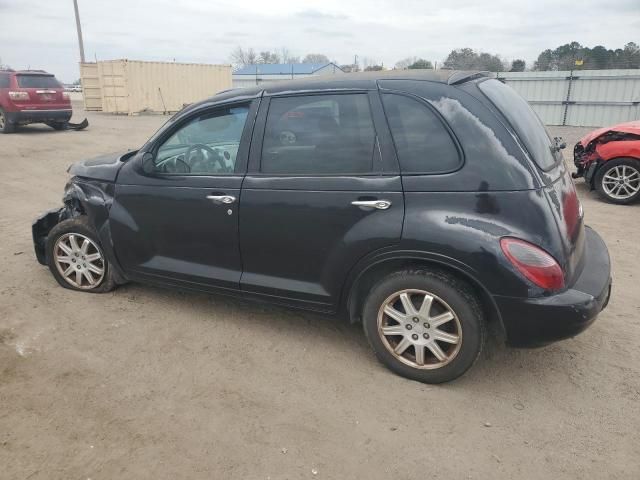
<point>220,199</point>
<point>379,204</point>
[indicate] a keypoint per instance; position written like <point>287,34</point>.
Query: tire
<point>5,126</point>
<point>450,297</point>
<point>58,125</point>
<point>60,244</point>
<point>607,180</point>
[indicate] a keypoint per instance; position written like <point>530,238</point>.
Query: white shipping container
<point>91,90</point>
<point>131,86</point>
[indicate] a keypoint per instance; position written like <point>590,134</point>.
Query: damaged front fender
<point>41,228</point>
<point>81,197</point>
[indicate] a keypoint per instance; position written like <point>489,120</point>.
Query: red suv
<point>32,96</point>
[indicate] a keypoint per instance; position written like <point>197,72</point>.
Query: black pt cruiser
<point>422,204</point>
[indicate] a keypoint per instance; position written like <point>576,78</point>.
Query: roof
<point>33,72</point>
<point>348,81</point>
<point>369,79</point>
<point>282,68</point>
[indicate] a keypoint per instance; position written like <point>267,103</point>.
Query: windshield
<point>523,120</point>
<point>38,81</point>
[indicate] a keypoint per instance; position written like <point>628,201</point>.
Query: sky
<point>42,34</point>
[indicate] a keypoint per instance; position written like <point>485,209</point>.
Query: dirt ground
<point>148,383</point>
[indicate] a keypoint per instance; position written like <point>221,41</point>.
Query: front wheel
<point>76,258</point>
<point>618,180</point>
<point>423,325</point>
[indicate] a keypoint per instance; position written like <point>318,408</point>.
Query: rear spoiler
<point>462,77</point>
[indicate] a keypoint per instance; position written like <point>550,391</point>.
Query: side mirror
<point>148,166</point>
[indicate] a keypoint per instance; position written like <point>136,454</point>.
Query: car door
<point>322,192</point>
<point>175,213</point>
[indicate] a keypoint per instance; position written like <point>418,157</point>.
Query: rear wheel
<point>618,180</point>
<point>5,126</point>
<point>426,326</point>
<point>76,259</point>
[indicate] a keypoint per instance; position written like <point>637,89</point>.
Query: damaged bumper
<point>41,228</point>
<point>39,116</point>
<point>78,126</point>
<point>534,322</point>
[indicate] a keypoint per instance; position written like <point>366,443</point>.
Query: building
<point>252,75</point>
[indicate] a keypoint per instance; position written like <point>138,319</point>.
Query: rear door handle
<point>221,199</point>
<point>379,204</point>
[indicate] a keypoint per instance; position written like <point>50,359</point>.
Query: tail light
<point>66,95</point>
<point>19,95</point>
<point>534,263</point>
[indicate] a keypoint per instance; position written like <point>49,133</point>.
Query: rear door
<point>323,191</point>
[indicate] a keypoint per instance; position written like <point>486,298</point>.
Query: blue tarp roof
<point>281,68</point>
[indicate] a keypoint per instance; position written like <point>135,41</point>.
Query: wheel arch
<point>366,275</point>
<point>94,199</point>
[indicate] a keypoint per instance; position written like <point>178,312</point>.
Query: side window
<point>206,145</point>
<point>319,135</point>
<point>422,142</point>
<point>4,80</point>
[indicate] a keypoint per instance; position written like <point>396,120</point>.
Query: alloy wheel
<point>2,121</point>
<point>621,182</point>
<point>79,261</point>
<point>419,329</point>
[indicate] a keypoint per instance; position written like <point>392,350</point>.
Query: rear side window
<point>37,81</point>
<point>523,120</point>
<point>423,144</point>
<point>4,80</point>
<point>319,135</point>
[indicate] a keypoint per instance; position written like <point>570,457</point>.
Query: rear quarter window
<point>523,120</point>
<point>423,143</point>
<point>38,81</point>
<point>4,80</point>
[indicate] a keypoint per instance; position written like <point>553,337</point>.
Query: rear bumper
<point>534,322</point>
<point>40,229</point>
<point>40,116</point>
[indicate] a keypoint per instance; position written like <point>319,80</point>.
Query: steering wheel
<point>201,146</point>
<point>180,160</point>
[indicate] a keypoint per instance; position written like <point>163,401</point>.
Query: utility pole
<point>75,7</point>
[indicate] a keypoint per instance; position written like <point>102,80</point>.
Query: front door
<point>175,214</point>
<point>321,193</point>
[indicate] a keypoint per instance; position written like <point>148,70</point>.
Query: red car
<point>609,160</point>
<point>32,96</point>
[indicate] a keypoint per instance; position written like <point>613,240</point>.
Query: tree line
<point>565,57</point>
<point>240,56</point>
<point>570,55</point>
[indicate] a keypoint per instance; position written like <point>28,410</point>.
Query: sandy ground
<point>147,383</point>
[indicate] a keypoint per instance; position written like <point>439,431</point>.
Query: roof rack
<point>35,72</point>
